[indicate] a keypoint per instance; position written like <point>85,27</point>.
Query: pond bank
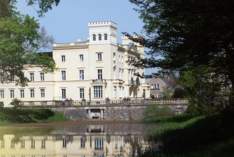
<point>16,115</point>
<point>193,136</point>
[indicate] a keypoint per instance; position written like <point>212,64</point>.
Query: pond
<point>74,140</point>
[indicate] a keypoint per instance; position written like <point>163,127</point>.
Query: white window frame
<point>81,74</point>
<point>99,56</point>
<point>82,93</point>
<point>12,93</point>
<point>81,57</point>
<point>2,94</point>
<point>63,58</point>
<point>98,92</point>
<point>42,91</point>
<point>22,94</point>
<point>105,36</point>
<point>42,76</point>
<point>99,37</point>
<point>32,93</point>
<point>63,93</point>
<point>94,37</point>
<point>64,75</point>
<point>99,74</point>
<point>32,76</point>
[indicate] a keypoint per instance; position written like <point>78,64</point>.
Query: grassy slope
<point>14,115</point>
<point>193,136</point>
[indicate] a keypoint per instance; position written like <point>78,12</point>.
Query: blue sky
<point>68,21</point>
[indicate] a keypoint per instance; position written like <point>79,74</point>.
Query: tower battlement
<point>102,23</point>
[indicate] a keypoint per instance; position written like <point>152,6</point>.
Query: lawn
<point>191,135</point>
<point>17,115</point>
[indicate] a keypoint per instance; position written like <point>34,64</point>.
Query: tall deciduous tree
<point>189,34</point>
<point>20,39</point>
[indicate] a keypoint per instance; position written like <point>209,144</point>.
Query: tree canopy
<point>21,39</point>
<point>190,34</point>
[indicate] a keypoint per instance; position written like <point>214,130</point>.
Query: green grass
<point>16,115</point>
<point>57,117</point>
<point>191,135</point>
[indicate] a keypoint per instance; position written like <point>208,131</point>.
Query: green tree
<point>20,40</point>
<point>203,88</point>
<point>190,34</point>
<point>43,6</point>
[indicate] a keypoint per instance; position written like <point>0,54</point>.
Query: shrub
<point>16,103</point>
<point>16,115</point>
<point>1,104</point>
<point>155,112</point>
<point>107,100</point>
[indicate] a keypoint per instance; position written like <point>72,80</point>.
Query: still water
<point>74,140</point>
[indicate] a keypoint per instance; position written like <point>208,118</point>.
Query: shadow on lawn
<point>210,136</point>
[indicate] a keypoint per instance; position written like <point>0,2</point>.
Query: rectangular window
<point>105,36</point>
<point>64,143</point>
<point>43,144</point>
<point>22,93</point>
<point>81,74</point>
<point>63,58</point>
<point>42,75</point>
<point>98,93</point>
<point>94,37</point>
<point>115,91</point>
<point>98,144</point>
<point>31,76</point>
<point>99,56</point>
<point>2,93</point>
<point>81,57</point>
<point>63,75</point>
<point>1,77</point>
<point>22,144</point>
<point>156,86</point>
<point>33,144</point>
<point>32,93</point>
<point>64,94</point>
<point>12,93</point>
<point>82,142</point>
<point>42,92</point>
<point>99,37</point>
<point>99,74</point>
<point>82,93</point>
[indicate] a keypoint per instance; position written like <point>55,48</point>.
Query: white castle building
<point>93,70</point>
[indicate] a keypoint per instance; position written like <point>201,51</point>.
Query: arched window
<point>105,36</point>
<point>99,37</point>
<point>94,37</point>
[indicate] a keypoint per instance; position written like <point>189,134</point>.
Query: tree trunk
<point>231,96</point>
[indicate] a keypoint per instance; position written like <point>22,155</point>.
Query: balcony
<point>99,82</point>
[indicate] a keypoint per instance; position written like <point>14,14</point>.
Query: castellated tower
<point>102,32</point>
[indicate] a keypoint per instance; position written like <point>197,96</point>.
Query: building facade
<point>91,70</point>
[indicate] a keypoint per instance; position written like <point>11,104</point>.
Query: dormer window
<point>94,37</point>
<point>105,36</point>
<point>99,37</point>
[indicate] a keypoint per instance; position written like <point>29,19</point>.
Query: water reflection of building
<point>85,145</point>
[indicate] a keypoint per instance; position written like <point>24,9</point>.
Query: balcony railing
<point>99,81</point>
<point>71,103</point>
